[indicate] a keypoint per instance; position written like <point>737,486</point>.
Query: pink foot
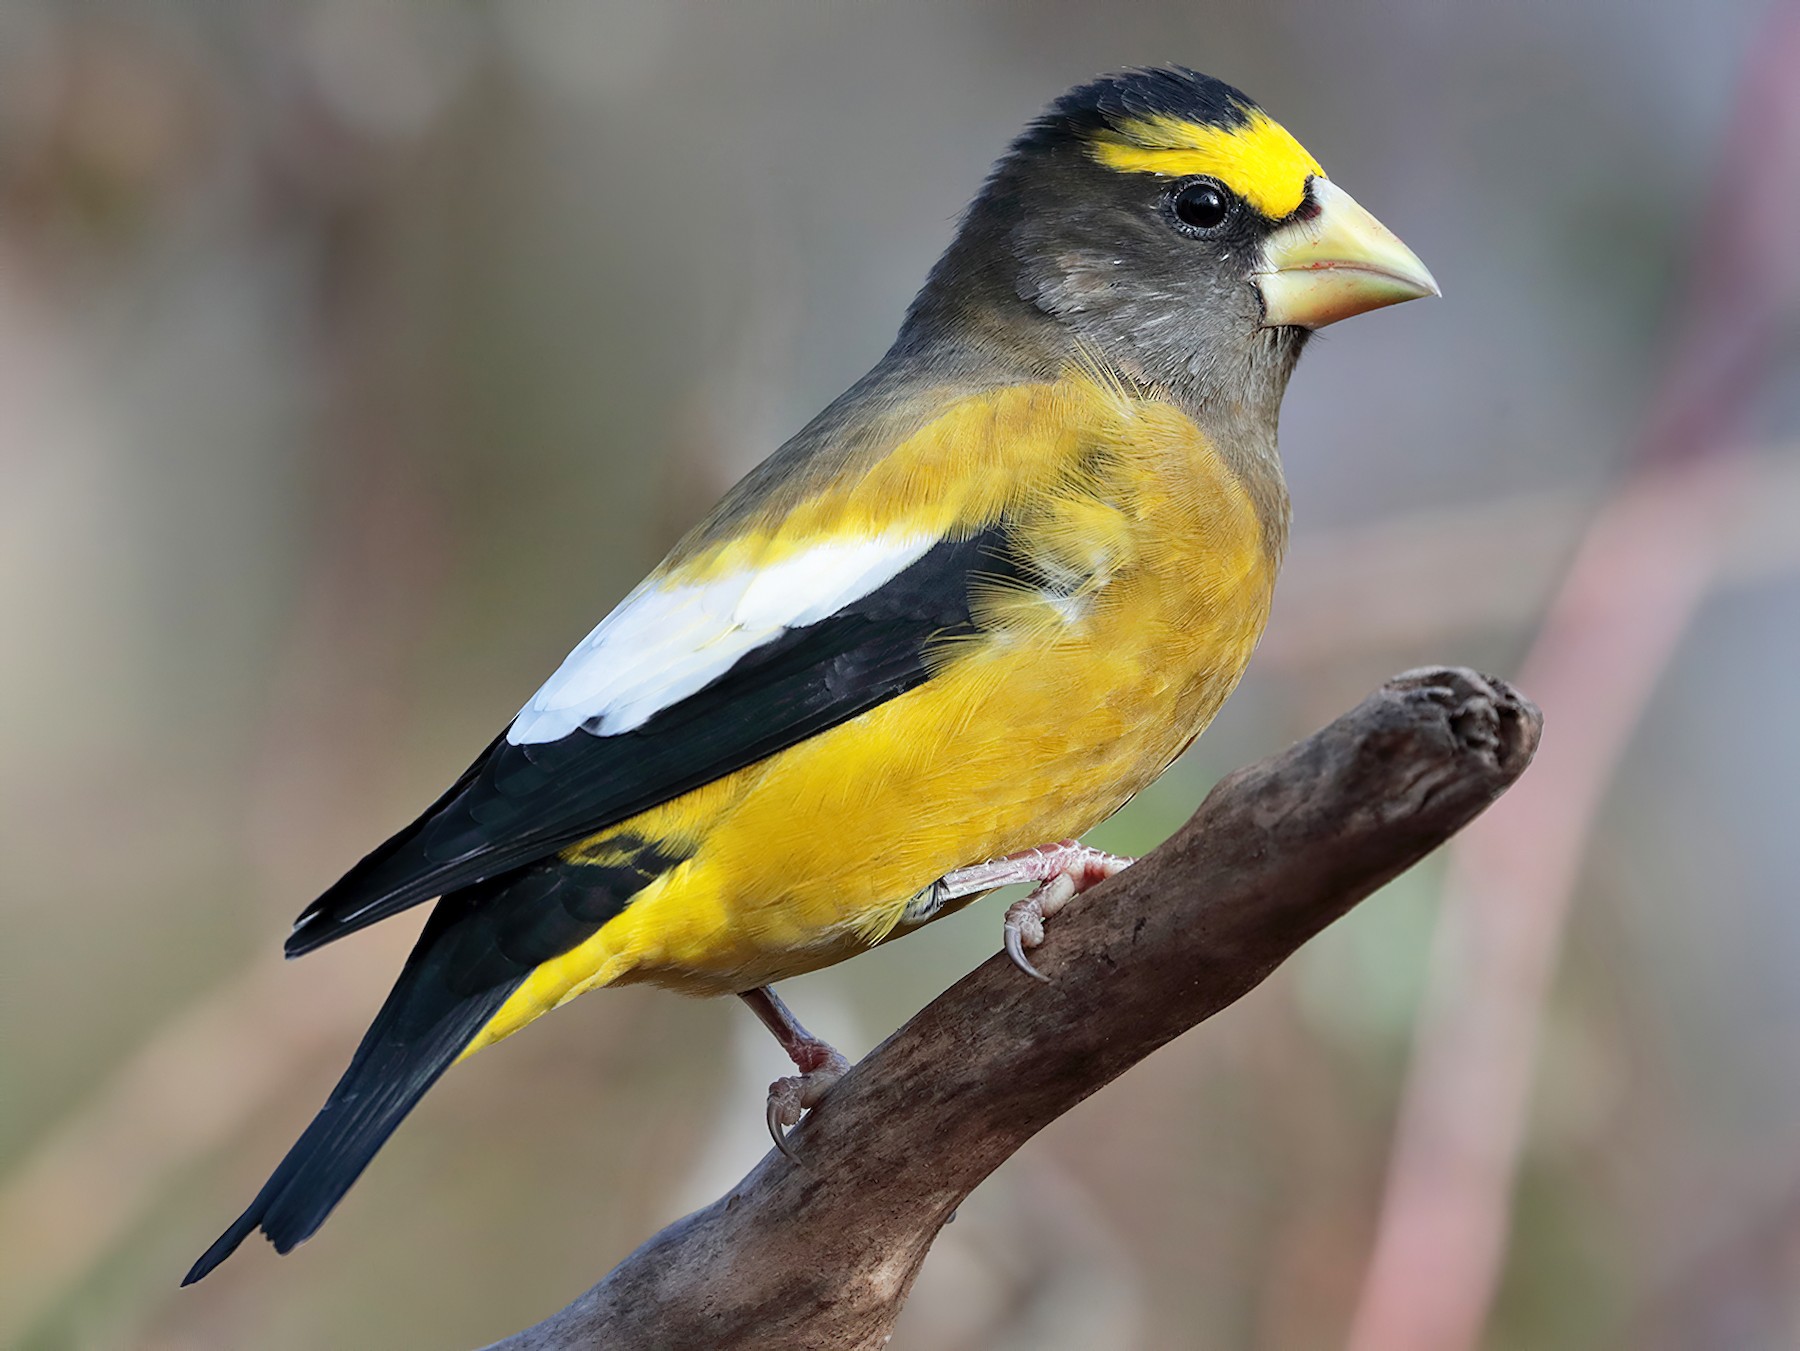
<point>789,1098</point>
<point>1063,871</point>
<point>820,1067</point>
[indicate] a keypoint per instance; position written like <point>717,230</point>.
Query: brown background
<point>354,357</point>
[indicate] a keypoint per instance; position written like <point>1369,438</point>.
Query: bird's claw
<point>1080,868</point>
<point>792,1097</point>
<point>1024,929</point>
<point>784,1111</point>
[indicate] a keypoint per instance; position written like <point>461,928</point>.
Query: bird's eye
<point>1202,205</point>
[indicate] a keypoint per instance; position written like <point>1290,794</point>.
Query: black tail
<point>444,996</point>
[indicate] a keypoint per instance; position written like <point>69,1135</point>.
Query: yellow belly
<point>1036,731</point>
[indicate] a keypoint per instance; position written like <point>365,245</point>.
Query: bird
<point>962,616</point>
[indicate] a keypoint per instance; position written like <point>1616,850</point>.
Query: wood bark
<point>822,1254</point>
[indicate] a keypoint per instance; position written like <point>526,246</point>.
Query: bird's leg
<point>820,1066</point>
<point>1062,871</point>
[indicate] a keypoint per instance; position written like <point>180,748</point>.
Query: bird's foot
<point>820,1067</point>
<point>819,1064</point>
<point>1062,871</point>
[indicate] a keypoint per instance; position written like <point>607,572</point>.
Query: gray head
<point>1165,221</point>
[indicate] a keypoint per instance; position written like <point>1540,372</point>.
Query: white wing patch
<point>667,641</point>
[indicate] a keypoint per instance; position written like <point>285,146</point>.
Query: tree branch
<point>823,1255</point>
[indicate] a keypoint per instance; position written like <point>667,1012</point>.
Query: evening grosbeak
<point>965,614</point>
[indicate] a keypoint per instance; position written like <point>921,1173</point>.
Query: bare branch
<point>823,1255</point>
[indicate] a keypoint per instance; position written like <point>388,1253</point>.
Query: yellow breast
<point>1151,585</point>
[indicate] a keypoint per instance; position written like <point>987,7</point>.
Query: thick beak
<point>1339,262</point>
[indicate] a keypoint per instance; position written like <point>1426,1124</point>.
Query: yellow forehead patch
<point>1259,161</point>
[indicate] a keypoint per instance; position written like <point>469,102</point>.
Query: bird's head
<point>1180,230</point>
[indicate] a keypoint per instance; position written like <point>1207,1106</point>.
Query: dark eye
<point>1202,205</point>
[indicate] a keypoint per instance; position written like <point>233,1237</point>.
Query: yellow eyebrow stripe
<point>1260,161</point>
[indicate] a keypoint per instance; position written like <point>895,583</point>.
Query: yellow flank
<point>1069,700</point>
<point>1260,161</point>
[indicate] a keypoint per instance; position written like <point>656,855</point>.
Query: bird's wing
<point>682,684</point>
<point>747,642</point>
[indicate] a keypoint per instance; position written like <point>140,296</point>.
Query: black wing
<point>476,949</point>
<point>518,803</point>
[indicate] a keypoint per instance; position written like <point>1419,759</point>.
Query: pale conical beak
<point>1339,262</point>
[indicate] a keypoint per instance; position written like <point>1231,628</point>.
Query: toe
<point>783,1111</point>
<point>1015,949</point>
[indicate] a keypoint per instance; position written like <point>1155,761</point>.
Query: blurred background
<point>356,355</point>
